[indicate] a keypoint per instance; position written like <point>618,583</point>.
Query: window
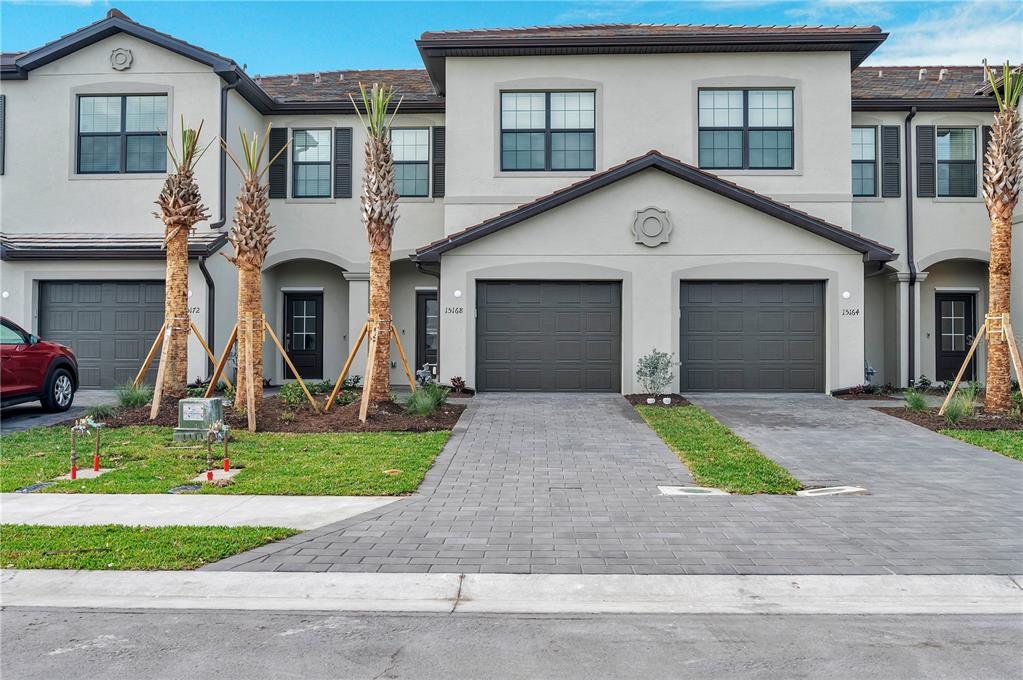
<point>10,335</point>
<point>122,134</point>
<point>957,161</point>
<point>864,161</point>
<point>548,131</point>
<point>311,164</point>
<point>411,151</point>
<point>745,129</point>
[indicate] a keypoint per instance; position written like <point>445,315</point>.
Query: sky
<point>294,37</point>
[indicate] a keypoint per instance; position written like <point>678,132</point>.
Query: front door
<point>303,333</point>
<point>427,329</point>
<point>955,323</point>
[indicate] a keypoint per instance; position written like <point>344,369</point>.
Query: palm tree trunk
<point>175,376</point>
<point>380,310</point>
<point>250,310</point>
<point>998,391</point>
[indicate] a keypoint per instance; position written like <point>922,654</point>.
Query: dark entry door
<point>427,328</point>
<point>549,336</point>
<point>303,333</point>
<point>956,323</point>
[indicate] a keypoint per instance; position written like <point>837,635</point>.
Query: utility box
<point>195,416</point>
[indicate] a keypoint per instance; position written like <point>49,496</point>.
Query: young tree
<point>379,202</point>
<point>181,207</point>
<point>251,237</point>
<point>1001,191</point>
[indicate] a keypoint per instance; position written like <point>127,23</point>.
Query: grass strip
<point>115,546</point>
<point>717,457</point>
<point>1006,442</point>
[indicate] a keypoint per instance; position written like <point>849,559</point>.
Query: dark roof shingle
<point>412,85</point>
<point>632,30</point>
<point>917,82</point>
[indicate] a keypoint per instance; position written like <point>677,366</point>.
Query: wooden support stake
<point>344,370</point>
<point>158,392</point>
<point>250,390</point>
<point>1017,362</point>
<point>962,370</point>
<point>287,360</point>
<point>206,348</point>
<point>370,371</point>
<point>404,361</point>
<point>149,357</point>
<point>222,362</point>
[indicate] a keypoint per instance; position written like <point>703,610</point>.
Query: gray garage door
<point>752,336</point>
<point>549,336</point>
<point>109,324</point>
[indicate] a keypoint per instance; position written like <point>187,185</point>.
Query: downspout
<point>419,266</point>
<point>910,261</point>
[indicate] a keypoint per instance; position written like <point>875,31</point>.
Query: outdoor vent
<point>923,72</point>
<point>316,78</point>
<point>294,80</point>
<point>942,73</point>
<point>880,73</point>
<point>691,491</point>
<point>833,491</point>
<point>340,77</point>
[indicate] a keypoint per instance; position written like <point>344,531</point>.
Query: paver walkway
<point>568,484</point>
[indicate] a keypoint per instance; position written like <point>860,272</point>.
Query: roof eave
<point>7,253</point>
<point>928,104</point>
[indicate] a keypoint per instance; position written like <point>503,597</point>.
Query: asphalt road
<point>69,643</point>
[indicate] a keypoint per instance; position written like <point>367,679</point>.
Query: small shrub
<point>655,371</point>
<point>923,383</point>
<point>321,387</point>
<point>1017,405</point>
<point>352,382</point>
<point>957,409</point>
<point>100,412</point>
<point>427,399</point>
<point>968,392</point>
<point>291,394</point>
<point>345,397</point>
<point>195,392</point>
<point>286,416</point>
<point>131,396</point>
<point>915,401</point>
<point>458,383</point>
<point>228,394</point>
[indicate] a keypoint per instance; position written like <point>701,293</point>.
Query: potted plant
<point>655,371</point>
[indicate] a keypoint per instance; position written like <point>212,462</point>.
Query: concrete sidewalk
<point>514,593</point>
<point>295,512</point>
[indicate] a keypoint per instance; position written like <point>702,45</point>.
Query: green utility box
<point>195,416</point>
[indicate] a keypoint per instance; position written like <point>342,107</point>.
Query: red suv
<point>35,370</point>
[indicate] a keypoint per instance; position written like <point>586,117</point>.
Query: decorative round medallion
<point>651,227</point>
<point>120,59</point>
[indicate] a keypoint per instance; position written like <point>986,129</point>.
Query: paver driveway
<point>568,484</point>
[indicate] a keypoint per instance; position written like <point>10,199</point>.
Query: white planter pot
<point>666,401</point>
<point>651,400</point>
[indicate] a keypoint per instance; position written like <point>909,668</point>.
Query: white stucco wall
<point>713,238</point>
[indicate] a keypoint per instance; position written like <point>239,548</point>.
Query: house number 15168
<point>453,310</point>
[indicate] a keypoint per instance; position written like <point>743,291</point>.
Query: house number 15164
<point>851,312</point>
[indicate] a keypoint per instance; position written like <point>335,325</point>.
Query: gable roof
<point>926,87</point>
<point>436,46</point>
<point>871,250</point>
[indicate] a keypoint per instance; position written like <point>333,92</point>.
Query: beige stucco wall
<point>646,102</point>
<point>713,238</point>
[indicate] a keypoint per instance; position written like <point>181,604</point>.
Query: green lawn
<point>147,461</point>
<point>114,546</point>
<point>1006,442</point>
<point>716,457</point>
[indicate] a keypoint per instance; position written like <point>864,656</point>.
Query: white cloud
<point>954,34</point>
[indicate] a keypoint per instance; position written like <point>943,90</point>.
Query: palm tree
<point>181,207</point>
<point>1001,191</point>
<point>379,202</point>
<point>251,237</point>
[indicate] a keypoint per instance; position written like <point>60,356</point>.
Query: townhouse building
<point>753,199</point>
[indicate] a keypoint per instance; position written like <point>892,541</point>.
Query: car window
<point>10,336</point>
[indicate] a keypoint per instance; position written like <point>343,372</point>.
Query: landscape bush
<point>957,409</point>
<point>655,371</point>
<point>427,399</point>
<point>100,412</point>
<point>915,400</point>
<point>130,396</point>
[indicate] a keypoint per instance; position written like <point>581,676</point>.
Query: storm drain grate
<point>34,487</point>
<point>834,491</point>
<point>691,491</point>
<point>185,487</point>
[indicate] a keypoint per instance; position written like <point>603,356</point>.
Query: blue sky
<point>287,37</point>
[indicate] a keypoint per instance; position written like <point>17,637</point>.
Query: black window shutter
<point>891,180</point>
<point>3,131</point>
<point>926,165</point>
<point>438,162</point>
<point>278,175</point>
<point>343,162</point>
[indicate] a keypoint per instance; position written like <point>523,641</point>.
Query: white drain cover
<point>833,491</point>
<point>691,491</point>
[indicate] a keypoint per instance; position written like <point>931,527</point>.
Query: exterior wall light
<point>457,293</point>
<point>846,295</point>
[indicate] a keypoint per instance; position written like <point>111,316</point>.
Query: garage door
<point>549,336</point>
<point>109,324</point>
<point>752,336</point>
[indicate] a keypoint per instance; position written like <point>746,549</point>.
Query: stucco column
<point>902,370</point>
<point>358,312</point>
<point>917,369</point>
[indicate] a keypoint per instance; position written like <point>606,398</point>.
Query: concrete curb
<point>512,593</point>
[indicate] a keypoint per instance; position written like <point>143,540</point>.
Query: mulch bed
<point>932,421</point>
<point>866,397</point>
<point>640,400</point>
<point>275,416</point>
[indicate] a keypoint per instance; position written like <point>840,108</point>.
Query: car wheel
<point>60,391</point>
